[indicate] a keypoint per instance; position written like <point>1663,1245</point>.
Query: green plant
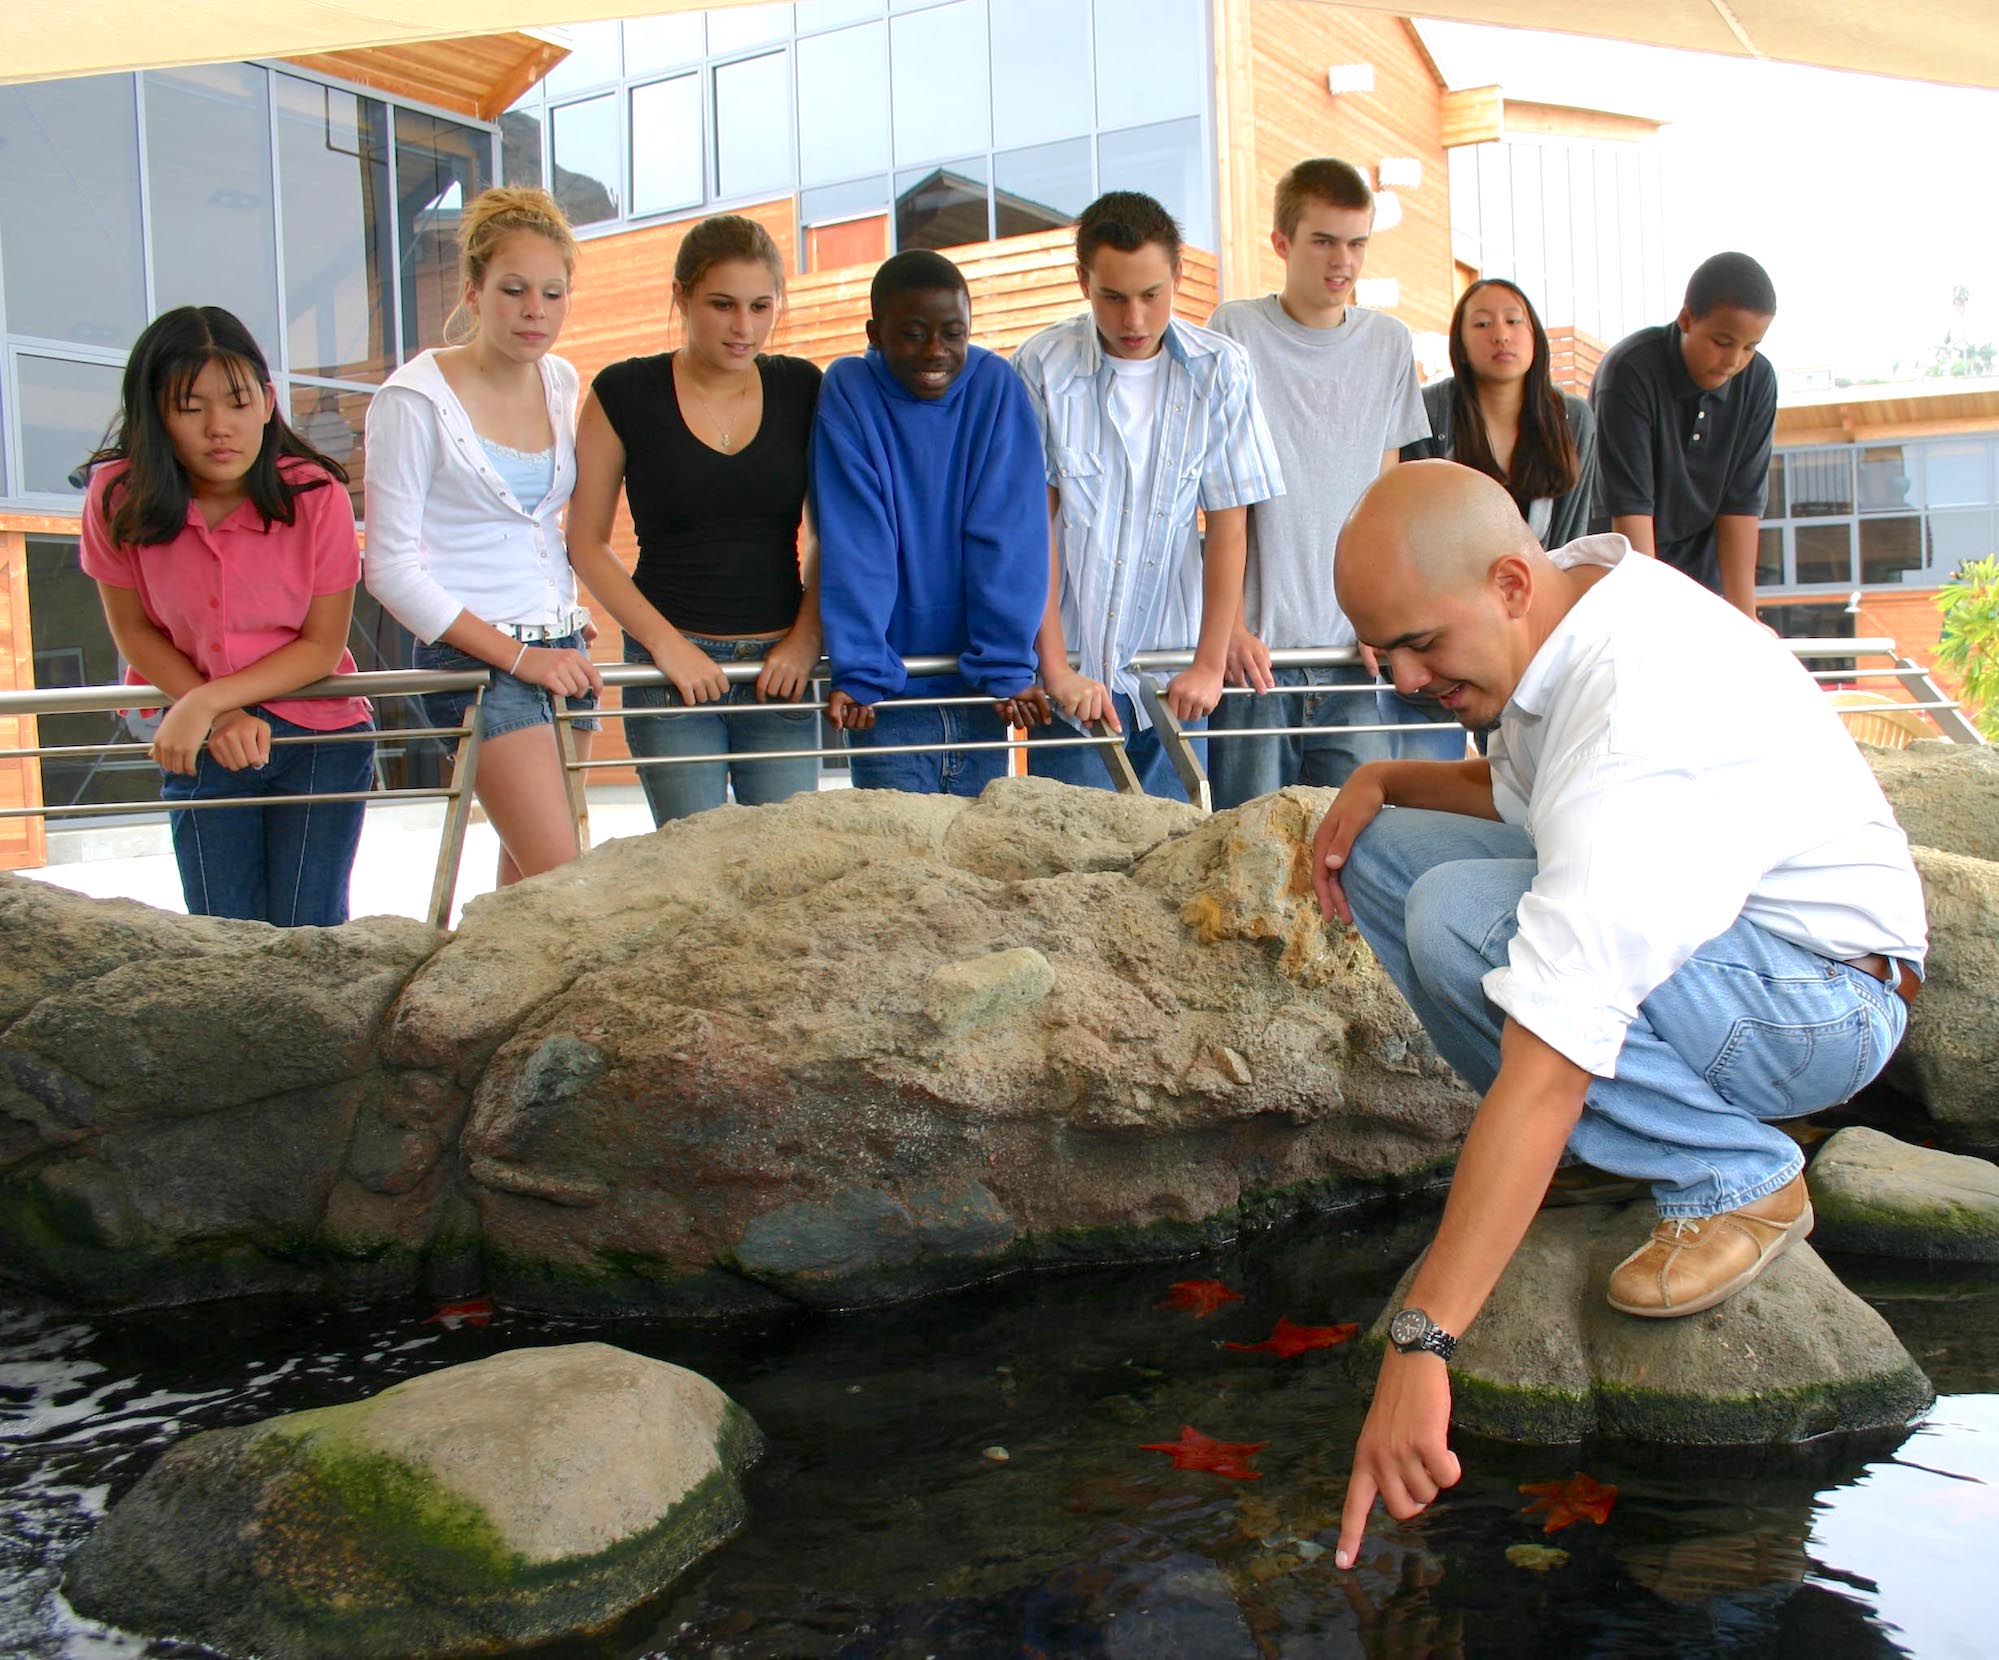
<point>1970,645</point>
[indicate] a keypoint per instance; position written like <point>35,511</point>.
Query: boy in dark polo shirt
<point>1685,417</point>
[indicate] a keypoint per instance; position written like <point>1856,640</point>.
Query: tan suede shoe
<point>1690,1264</point>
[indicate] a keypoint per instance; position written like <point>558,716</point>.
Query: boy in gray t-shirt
<point>1338,388</point>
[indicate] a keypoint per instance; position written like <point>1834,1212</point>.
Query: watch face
<point>1408,1327</point>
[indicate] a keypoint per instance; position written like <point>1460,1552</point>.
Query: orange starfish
<point>1289,1341</point>
<point>1199,1297</point>
<point>1195,1451</point>
<point>1569,1501</point>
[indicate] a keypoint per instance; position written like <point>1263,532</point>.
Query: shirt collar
<point>893,388</point>
<point>1683,385</point>
<point>1192,349</point>
<point>1550,665</point>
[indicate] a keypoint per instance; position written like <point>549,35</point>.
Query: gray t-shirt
<point>1335,399</point>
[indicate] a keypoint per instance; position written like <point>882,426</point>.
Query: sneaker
<point>1692,1263</point>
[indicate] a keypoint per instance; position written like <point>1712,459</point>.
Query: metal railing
<point>1922,696</point>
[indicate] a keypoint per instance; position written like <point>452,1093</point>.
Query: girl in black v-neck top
<point>708,444</point>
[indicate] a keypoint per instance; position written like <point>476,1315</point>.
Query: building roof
<point>1908,409</point>
<point>1954,41</point>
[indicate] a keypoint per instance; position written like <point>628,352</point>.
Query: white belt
<point>529,633</point>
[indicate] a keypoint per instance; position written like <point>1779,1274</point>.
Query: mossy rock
<point>532,1496</point>
<point>1880,1196</point>
<point>1548,1361</point>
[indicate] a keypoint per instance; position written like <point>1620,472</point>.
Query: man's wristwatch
<point>1412,1330</point>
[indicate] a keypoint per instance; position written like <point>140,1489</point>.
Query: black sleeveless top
<point>718,534</point>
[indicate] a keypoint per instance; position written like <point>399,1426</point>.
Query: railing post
<point>1173,739</point>
<point>1951,723</point>
<point>1124,777</point>
<point>572,781</point>
<point>457,812</point>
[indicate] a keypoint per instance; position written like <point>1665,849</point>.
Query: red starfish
<point>1195,1451</point>
<point>1199,1297</point>
<point>478,1311</point>
<point>1569,1501</point>
<point>1289,1340</point>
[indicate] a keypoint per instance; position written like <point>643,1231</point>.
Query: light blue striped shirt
<point>1131,569</point>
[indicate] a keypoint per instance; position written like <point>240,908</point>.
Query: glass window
<point>940,79</point>
<point>1530,263</point>
<point>1561,236</point>
<point>842,201</point>
<point>1770,556</point>
<point>69,210</point>
<point>941,207</point>
<point>333,175</point>
<point>1041,188</point>
<point>737,28</point>
<point>1888,478</point>
<point>1152,61</point>
<point>843,125</point>
<point>440,167</point>
<point>208,166</point>
<point>520,148</point>
<point>1043,76</point>
<point>1167,162</point>
<point>65,410</point>
<point>1825,553</point>
<point>830,14</point>
<point>585,160</point>
<point>592,60</point>
<point>1888,547</point>
<point>1495,206</point>
<point>667,159</point>
<point>1959,474</point>
<point>332,419</point>
<point>1956,538</point>
<point>1821,483</point>
<point>663,42</point>
<point>753,126</point>
<point>1582,237</point>
<point>1773,508</point>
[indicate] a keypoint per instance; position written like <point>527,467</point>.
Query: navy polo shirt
<point>1668,448</point>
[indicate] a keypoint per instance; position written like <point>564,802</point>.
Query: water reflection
<point>883,1531</point>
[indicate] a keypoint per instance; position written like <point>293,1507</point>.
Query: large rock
<point>535,1495</point>
<point>844,1049</point>
<point>1944,795</point>
<point>1950,1058</point>
<point>1877,1195</point>
<point>1795,1355</point>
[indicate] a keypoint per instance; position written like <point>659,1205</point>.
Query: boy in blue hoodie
<point>928,498</point>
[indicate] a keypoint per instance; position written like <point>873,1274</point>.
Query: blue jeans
<point>676,791</point>
<point>1241,769</point>
<point>287,866</point>
<point>1751,1028</point>
<point>937,772</point>
<point>1079,764</point>
<point>510,704</point>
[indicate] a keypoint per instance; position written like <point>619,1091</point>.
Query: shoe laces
<point>1685,1225</point>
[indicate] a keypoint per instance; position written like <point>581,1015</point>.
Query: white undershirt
<point>1134,401</point>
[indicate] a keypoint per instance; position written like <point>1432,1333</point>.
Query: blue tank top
<point>530,477</point>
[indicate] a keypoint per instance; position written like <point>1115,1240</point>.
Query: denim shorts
<point>511,705</point>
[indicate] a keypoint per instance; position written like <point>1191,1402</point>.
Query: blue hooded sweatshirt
<point>932,517</point>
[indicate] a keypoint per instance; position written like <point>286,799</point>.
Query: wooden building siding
<point>23,841</point>
<point>1274,110</point>
<point>1573,356</point>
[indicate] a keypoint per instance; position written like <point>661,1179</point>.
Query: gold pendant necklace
<point>708,409</point>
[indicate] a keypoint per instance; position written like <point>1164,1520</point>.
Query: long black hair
<point>147,503</point>
<point>1544,461</point>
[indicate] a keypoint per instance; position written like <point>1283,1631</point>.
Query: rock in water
<point>1875,1194</point>
<point>1549,1361</point>
<point>535,1495</point>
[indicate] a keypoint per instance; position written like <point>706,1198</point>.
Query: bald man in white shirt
<point>1645,925</point>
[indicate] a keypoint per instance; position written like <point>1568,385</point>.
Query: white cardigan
<point>445,534</point>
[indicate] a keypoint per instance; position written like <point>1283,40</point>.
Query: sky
<point>1867,199</point>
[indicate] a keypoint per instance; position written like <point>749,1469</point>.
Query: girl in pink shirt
<point>224,552</point>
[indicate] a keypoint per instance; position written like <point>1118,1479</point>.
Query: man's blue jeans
<point>1752,1028</point>
<point>1080,764</point>
<point>676,791</point>
<point>937,771</point>
<point>287,866</point>
<point>1241,769</point>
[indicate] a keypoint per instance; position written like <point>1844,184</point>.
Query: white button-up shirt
<point>445,534</point>
<point>1131,565</point>
<point>1677,770</point>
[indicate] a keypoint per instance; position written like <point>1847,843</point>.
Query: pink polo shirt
<point>231,596</point>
